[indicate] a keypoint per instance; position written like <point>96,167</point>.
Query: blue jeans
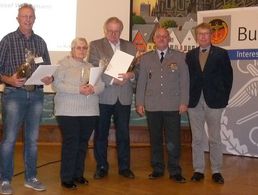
<point>20,108</point>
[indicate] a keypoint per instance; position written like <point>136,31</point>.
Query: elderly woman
<point>76,111</point>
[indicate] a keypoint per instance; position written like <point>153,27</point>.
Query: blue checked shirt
<point>12,51</point>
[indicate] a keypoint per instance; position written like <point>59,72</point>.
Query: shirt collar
<point>164,51</point>
<point>115,47</point>
<point>207,48</point>
<point>21,35</point>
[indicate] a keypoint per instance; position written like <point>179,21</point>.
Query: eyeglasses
<point>81,48</point>
<point>204,34</point>
<point>162,36</point>
<point>27,17</point>
<point>115,32</point>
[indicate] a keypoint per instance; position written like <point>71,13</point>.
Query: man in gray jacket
<point>162,93</point>
<point>115,100</point>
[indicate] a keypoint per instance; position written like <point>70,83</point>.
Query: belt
<point>27,87</point>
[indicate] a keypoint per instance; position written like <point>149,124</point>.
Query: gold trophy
<point>85,74</point>
<point>103,62</point>
<point>135,62</point>
<point>25,69</point>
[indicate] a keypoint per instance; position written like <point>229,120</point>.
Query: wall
<point>91,16</point>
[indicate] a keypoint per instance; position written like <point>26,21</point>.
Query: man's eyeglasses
<point>113,32</point>
<point>27,17</point>
<point>204,34</point>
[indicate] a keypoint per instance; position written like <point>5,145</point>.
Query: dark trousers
<point>121,117</point>
<point>170,123</point>
<point>76,132</point>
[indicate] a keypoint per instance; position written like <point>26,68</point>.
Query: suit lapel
<point>155,57</point>
<point>108,49</point>
<point>122,46</point>
<point>211,52</point>
<point>167,56</point>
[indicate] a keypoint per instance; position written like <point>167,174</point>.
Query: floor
<point>240,173</point>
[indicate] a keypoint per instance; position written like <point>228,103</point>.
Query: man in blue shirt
<point>21,105</point>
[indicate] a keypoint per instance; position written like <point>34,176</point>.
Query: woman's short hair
<point>76,40</point>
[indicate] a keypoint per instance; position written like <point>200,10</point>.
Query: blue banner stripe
<point>243,54</point>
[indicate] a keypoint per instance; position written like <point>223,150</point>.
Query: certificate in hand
<point>119,63</point>
<point>41,72</point>
<point>95,74</point>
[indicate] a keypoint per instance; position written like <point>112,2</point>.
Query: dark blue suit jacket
<point>215,80</point>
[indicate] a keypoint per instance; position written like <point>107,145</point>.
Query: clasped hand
<point>86,89</point>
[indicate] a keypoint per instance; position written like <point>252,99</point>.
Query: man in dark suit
<point>211,78</point>
<point>163,93</point>
<point>115,100</point>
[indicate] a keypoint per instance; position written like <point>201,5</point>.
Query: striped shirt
<point>12,51</point>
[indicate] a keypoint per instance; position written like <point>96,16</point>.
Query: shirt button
<point>161,93</point>
<point>161,84</point>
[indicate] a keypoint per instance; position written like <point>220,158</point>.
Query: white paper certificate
<point>95,74</point>
<point>119,63</point>
<point>41,72</point>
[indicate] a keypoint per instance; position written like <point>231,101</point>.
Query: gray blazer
<point>163,86</point>
<point>100,49</point>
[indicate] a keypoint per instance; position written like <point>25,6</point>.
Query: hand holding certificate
<point>41,72</point>
<point>119,63</point>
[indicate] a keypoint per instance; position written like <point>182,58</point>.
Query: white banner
<point>237,31</point>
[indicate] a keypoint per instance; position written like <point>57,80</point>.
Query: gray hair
<point>76,40</point>
<point>115,20</point>
<point>26,5</point>
<point>161,28</point>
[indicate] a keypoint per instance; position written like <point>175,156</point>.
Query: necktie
<point>162,56</point>
<point>204,50</point>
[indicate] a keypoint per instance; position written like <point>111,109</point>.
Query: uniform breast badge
<point>173,67</point>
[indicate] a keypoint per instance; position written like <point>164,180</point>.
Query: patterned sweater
<point>67,80</point>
